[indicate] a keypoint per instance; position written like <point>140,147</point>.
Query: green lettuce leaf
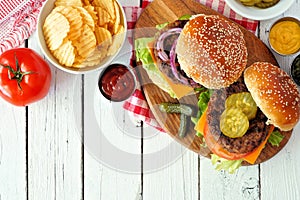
<point>203,100</point>
<point>141,50</point>
<point>199,134</point>
<point>185,17</point>
<point>275,138</point>
<point>227,165</point>
<point>161,26</point>
<point>143,55</point>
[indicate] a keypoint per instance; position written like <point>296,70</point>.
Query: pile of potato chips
<point>83,33</point>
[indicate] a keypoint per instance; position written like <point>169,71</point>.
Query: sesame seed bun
<point>212,51</point>
<point>274,93</point>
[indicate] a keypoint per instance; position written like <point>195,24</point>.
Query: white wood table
<point>45,156</point>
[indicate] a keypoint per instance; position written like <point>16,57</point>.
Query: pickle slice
<point>234,123</point>
<point>259,3</point>
<point>244,102</point>
<point>266,4</point>
<point>250,3</point>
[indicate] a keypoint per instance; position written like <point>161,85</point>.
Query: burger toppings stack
<point>241,107</point>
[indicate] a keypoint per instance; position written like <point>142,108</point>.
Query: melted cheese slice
<point>252,157</point>
<point>179,90</point>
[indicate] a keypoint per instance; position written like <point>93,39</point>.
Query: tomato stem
<point>17,74</point>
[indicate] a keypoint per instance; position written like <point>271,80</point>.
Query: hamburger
<point>166,58</point>
<point>277,109</point>
<point>247,104</point>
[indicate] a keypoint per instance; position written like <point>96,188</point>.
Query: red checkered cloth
<point>18,19</point>
<point>136,104</point>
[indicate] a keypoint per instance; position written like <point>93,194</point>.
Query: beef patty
<point>165,67</point>
<point>256,133</point>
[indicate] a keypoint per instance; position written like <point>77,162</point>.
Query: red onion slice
<point>160,43</point>
<point>175,72</point>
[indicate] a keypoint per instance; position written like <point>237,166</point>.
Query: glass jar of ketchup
<point>117,82</point>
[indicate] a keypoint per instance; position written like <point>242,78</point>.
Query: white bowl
<point>257,13</point>
<point>45,11</point>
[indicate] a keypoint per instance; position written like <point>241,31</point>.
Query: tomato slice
<point>217,148</point>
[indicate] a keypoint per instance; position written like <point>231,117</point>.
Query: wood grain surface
<point>160,11</point>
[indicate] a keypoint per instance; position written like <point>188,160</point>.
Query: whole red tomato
<point>25,76</point>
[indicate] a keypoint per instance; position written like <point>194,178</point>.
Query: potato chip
<point>75,19</point>
<point>105,26</point>
<point>68,3</point>
<point>86,2</point>
<point>103,16</point>
<point>56,29</point>
<point>58,9</point>
<point>65,54</point>
<point>103,36</point>
<point>78,61</point>
<point>116,43</point>
<point>94,59</point>
<point>86,17</point>
<point>92,12</point>
<point>107,5</point>
<point>120,29</point>
<point>118,18</point>
<point>86,44</point>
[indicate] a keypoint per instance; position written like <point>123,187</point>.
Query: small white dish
<point>258,13</point>
<point>286,34</point>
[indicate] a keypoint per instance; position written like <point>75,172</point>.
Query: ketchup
<point>116,82</point>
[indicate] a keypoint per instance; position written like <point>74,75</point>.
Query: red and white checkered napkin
<point>18,19</point>
<point>136,104</point>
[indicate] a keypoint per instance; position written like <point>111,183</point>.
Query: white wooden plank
<point>104,179</point>
<point>280,175</point>
<point>12,152</point>
<point>170,170</point>
<point>54,141</point>
<point>101,182</point>
<point>112,141</point>
<point>244,184</point>
<point>13,184</point>
<point>109,146</point>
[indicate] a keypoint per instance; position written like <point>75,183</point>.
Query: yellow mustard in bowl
<point>284,36</point>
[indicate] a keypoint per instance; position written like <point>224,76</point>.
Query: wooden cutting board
<point>161,11</point>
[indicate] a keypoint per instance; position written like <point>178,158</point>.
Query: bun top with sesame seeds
<point>275,94</point>
<point>212,51</point>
